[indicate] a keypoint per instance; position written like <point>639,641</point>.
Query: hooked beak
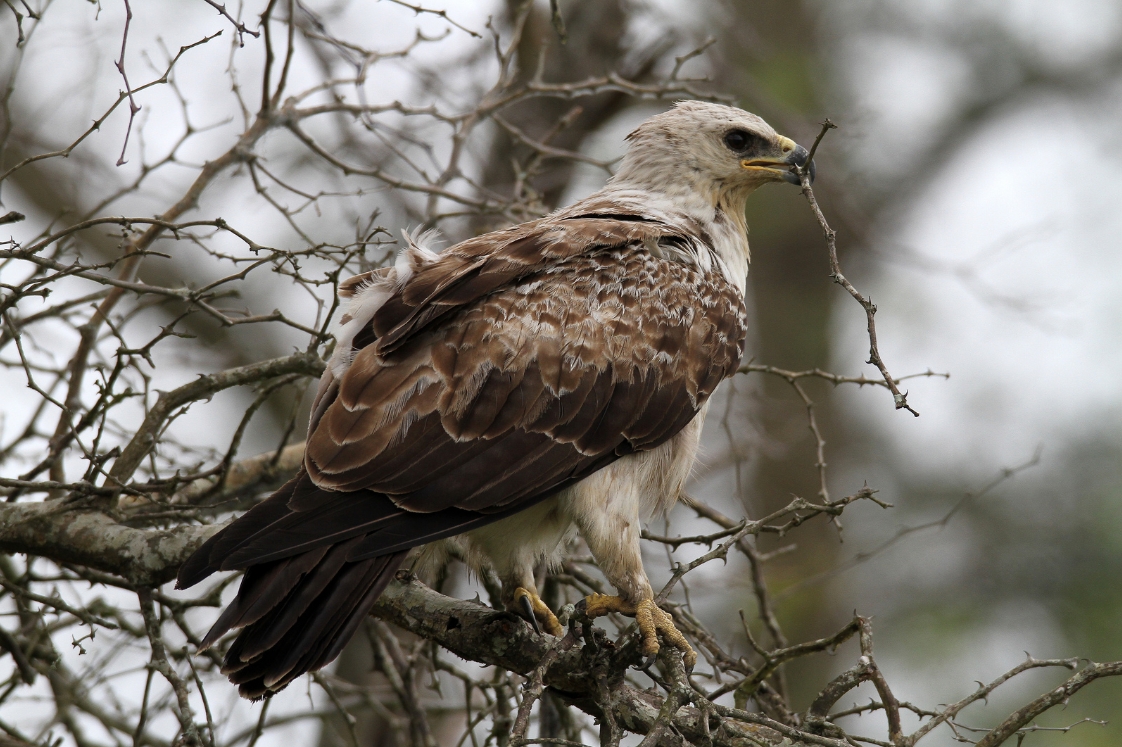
<point>784,166</point>
<point>797,160</point>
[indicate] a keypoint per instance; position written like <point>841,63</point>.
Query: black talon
<point>647,663</point>
<point>528,613</point>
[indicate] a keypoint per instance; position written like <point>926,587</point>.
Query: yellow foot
<point>651,619</point>
<point>535,610</point>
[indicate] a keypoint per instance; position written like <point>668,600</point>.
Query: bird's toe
<point>537,612</point>
<point>652,621</point>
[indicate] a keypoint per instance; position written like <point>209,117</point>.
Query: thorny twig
<point>1004,475</point>
<point>442,14</point>
<point>120,64</point>
<point>238,25</point>
<point>898,397</point>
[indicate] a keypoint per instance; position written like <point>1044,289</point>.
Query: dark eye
<point>738,140</point>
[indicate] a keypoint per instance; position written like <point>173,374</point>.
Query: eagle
<point>492,398</point>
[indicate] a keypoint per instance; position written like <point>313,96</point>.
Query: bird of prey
<point>496,395</point>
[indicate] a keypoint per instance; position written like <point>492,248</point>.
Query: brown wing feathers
<point>477,267</point>
<point>510,368</point>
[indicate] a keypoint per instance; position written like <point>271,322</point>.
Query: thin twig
<point>898,397</point>
<point>133,106</point>
<point>238,25</point>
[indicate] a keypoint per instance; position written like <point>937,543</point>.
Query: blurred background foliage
<point>988,262</point>
<point>973,182</point>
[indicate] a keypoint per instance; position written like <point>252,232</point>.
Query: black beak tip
<point>798,159</point>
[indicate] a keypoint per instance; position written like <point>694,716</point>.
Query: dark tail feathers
<point>314,560</point>
<point>295,613</point>
<point>323,600</point>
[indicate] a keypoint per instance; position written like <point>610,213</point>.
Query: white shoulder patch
<point>415,255</point>
<point>360,308</point>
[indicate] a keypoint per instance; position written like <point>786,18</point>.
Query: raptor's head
<point>709,148</point>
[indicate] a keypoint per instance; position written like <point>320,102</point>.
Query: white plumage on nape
<point>494,397</point>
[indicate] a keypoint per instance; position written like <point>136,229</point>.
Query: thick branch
<point>66,534</point>
<point>1076,682</point>
<point>478,633</point>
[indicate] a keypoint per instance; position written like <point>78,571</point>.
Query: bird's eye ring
<point>737,140</point>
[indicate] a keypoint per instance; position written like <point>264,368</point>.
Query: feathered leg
<point>606,508</point>
<point>513,547</point>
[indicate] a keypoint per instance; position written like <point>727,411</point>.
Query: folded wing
<point>489,380</point>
